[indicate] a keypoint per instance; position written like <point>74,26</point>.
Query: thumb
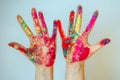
<point>62,35</point>
<point>99,45</point>
<point>19,47</point>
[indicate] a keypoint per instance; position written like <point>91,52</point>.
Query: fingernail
<point>79,9</point>
<point>105,41</point>
<point>11,45</point>
<point>58,23</point>
<point>95,13</point>
<point>55,23</point>
<point>40,14</point>
<point>71,16</point>
<point>34,13</point>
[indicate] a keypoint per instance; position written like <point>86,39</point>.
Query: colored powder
<point>104,42</point>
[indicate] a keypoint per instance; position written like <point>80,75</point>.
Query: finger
<point>91,23</point>
<point>24,26</point>
<point>19,47</point>
<point>99,45</point>
<point>71,21</point>
<point>54,33</point>
<point>43,24</point>
<point>78,19</point>
<point>62,35</point>
<point>36,22</point>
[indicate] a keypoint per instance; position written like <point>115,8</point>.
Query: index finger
<point>91,23</point>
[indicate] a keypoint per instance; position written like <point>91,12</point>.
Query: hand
<point>42,47</point>
<point>75,46</point>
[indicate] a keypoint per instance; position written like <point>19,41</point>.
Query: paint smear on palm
<point>44,51</point>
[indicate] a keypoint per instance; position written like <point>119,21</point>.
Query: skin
<point>76,48</point>
<point>42,49</point>
<point>75,45</point>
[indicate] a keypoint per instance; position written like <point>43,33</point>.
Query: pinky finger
<point>19,47</point>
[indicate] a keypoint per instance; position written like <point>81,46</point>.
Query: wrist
<point>75,71</point>
<point>44,73</point>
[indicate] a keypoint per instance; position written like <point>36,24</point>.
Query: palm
<point>76,50</point>
<point>42,47</point>
<point>75,46</point>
